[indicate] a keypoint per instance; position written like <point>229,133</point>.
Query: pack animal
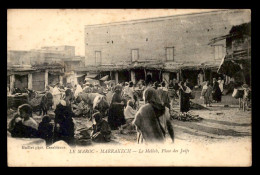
<point>40,102</point>
<point>244,97</point>
<point>95,101</point>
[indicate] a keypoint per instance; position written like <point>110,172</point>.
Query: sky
<point>35,28</point>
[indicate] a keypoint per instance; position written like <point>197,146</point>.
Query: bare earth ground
<point>219,124</point>
<point>222,138</point>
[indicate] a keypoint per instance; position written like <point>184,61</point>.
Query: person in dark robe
<point>101,130</point>
<point>164,95</point>
<point>156,85</point>
<point>69,97</point>
<point>188,84</point>
<point>153,119</point>
<point>184,98</point>
<point>45,129</point>
<point>216,92</point>
<point>23,125</point>
<point>63,124</point>
<point>116,111</point>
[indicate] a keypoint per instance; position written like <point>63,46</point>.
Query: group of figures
<point>143,108</point>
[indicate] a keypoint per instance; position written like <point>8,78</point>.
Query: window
<point>98,57</point>
<point>169,53</point>
<point>135,55</point>
<point>219,53</point>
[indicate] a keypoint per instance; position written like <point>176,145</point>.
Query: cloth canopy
<point>88,79</point>
<point>55,72</point>
<point>93,76</point>
<point>104,78</point>
<point>80,75</point>
<point>228,67</point>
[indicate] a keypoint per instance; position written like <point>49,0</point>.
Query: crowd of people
<point>143,107</point>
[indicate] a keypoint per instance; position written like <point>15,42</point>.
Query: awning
<point>93,76</point>
<point>55,72</point>
<point>104,78</point>
<point>80,75</point>
<point>228,67</point>
<point>88,79</point>
<point>18,73</point>
<point>110,81</point>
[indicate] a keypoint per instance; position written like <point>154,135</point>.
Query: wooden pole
<point>61,80</point>
<point>12,81</point>
<point>46,78</point>
<point>116,77</point>
<point>243,73</point>
<point>30,81</point>
<point>178,76</point>
<point>204,74</point>
<point>145,74</point>
<point>132,72</point>
<point>210,76</point>
<point>110,75</point>
<point>181,78</point>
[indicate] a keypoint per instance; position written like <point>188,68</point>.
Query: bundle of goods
<point>83,136</point>
<point>238,93</point>
<point>35,101</point>
<point>196,106</point>
<point>181,117</point>
<point>14,101</point>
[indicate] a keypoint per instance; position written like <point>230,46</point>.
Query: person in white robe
<point>56,96</point>
<point>78,90</point>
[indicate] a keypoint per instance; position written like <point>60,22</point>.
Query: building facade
<point>164,48</point>
<point>35,69</point>
<point>237,61</point>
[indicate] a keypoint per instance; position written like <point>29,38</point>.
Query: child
<point>206,93</point>
<point>129,114</point>
<point>101,130</point>
<point>45,129</point>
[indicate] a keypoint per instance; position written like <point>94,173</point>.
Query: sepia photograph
<point>129,87</point>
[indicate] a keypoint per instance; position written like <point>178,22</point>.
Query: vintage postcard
<point>129,87</point>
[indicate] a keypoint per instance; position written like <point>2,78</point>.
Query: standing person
<point>69,97</point>
<point>153,119</point>
<point>184,92</point>
<point>87,88</point>
<point>56,96</point>
<point>176,88</point>
<point>188,84</point>
<point>78,90</point>
<point>171,93</point>
<point>156,85</point>
<point>216,92</point>
<point>221,84</point>
<point>206,93</point>
<point>164,95</point>
<point>116,114</point>
<point>200,79</point>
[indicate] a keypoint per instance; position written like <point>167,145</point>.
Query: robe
<point>148,126</point>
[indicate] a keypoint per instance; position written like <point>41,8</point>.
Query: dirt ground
<point>219,124</point>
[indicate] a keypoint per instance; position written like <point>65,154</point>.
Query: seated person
<point>129,114</point>
<point>79,108</point>
<point>45,129</point>
<point>16,119</point>
<point>23,125</point>
<point>64,125</point>
<point>101,130</point>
